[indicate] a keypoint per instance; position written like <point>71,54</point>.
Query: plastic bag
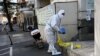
<point>61,43</point>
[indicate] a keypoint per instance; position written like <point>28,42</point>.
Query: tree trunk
<point>8,16</point>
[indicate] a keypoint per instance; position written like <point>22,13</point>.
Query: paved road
<point>22,45</point>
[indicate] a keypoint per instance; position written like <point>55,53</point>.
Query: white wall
<point>1,0</point>
<point>97,27</point>
<point>82,7</point>
<point>37,3</point>
<point>53,1</point>
<point>70,19</point>
<point>43,14</point>
<point>15,1</point>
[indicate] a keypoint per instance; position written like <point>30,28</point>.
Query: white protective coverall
<point>51,29</point>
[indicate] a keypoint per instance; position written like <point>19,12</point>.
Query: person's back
<point>50,24</point>
<point>35,33</point>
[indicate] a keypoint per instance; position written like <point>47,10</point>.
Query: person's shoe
<point>56,53</point>
<point>49,51</point>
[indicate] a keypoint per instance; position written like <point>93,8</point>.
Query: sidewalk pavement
<point>22,45</point>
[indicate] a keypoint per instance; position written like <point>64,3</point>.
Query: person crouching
<point>35,33</point>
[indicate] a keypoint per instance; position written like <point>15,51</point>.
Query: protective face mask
<point>61,15</point>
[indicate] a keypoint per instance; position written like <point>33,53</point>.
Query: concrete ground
<point>87,49</point>
<point>22,45</point>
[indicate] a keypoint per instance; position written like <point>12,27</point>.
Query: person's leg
<point>23,26</point>
<point>38,40</point>
<point>52,49</point>
<point>3,27</point>
<point>52,41</point>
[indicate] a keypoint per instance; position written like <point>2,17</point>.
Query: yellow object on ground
<point>61,43</point>
<point>77,46</point>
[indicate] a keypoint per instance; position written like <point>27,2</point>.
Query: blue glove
<point>62,31</point>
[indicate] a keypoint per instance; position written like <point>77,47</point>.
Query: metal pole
<point>35,18</point>
<point>8,36</point>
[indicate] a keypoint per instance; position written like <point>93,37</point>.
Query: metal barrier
<point>29,21</point>
<point>9,51</point>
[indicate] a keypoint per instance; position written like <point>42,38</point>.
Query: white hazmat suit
<point>51,29</point>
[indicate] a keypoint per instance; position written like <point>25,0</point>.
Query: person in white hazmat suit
<point>51,29</point>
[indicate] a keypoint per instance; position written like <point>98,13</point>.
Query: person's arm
<point>54,24</point>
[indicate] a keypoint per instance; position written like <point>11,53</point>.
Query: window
<point>90,4</point>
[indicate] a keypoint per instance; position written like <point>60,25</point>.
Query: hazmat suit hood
<point>61,13</point>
